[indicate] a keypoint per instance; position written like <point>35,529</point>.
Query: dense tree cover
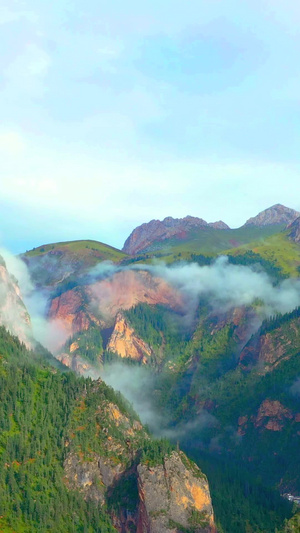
<point>202,372</point>
<point>292,525</point>
<point>161,329</point>
<point>36,404</point>
<point>155,451</point>
<point>278,320</point>
<point>242,504</point>
<point>249,258</point>
<point>88,344</point>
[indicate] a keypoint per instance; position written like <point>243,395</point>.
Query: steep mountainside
<point>98,303</point>
<point>277,214</point>
<point>158,230</point>
<point>74,457</point>
<point>13,313</point>
<point>224,381</point>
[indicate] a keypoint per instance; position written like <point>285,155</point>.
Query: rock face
<point>277,214</point>
<point>126,343</point>
<point>294,230</point>
<point>172,498</point>
<point>271,415</point>
<point>272,347</point>
<point>13,313</point>
<point>167,496</point>
<point>71,312</point>
<point>98,304</point>
<point>157,230</point>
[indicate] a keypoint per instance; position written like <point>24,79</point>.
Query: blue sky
<point>115,113</point>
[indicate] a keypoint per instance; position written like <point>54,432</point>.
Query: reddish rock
<point>157,230</point>
<point>272,415</point>
<point>98,304</point>
<point>271,348</point>
<point>126,343</point>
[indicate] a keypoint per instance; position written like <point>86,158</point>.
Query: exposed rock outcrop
<point>157,230</point>
<point>126,343</point>
<point>159,492</point>
<point>173,497</point>
<point>294,230</point>
<point>13,313</point>
<point>98,304</point>
<point>272,415</point>
<point>277,214</point>
<point>71,311</point>
<point>272,347</point>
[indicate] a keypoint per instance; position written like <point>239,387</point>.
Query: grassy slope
<point>270,242</point>
<point>211,241</point>
<point>278,249</point>
<point>83,248</point>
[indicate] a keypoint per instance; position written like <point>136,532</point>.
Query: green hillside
<point>277,249</point>
<point>65,262</point>
<point>211,241</point>
<point>88,249</point>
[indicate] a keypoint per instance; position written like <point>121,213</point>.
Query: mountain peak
<point>159,230</point>
<point>276,214</point>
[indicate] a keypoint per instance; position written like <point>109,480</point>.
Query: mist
<point>228,286</point>
<point>50,333</point>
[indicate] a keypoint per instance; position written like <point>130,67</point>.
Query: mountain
<point>221,377</point>
<point>157,230</point>
<point>75,457</point>
<point>294,230</point>
<point>181,238</point>
<point>277,214</point>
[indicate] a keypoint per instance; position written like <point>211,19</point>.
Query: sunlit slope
<point>211,240</point>
<point>88,249</point>
<point>277,249</point>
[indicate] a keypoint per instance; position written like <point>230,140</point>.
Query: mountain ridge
<point>160,231</point>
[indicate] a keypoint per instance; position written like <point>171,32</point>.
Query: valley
<point>198,326</point>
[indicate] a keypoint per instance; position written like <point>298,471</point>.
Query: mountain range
<point>198,326</point>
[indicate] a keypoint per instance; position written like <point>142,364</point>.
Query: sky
<point>116,113</point>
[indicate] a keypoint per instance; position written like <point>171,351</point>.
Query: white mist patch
<point>50,333</point>
<point>228,285</point>
<point>105,269</point>
<point>137,385</point>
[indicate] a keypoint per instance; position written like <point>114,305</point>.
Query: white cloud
<point>26,73</point>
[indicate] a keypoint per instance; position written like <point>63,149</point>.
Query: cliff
<point>148,487</point>
<point>97,304</point>
<point>174,496</point>
<point>276,341</point>
<point>13,313</point>
<point>126,343</point>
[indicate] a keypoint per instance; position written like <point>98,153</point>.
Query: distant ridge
<point>277,214</point>
<point>157,230</point>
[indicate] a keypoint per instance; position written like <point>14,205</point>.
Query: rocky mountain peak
<point>276,214</point>
<point>159,230</point>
